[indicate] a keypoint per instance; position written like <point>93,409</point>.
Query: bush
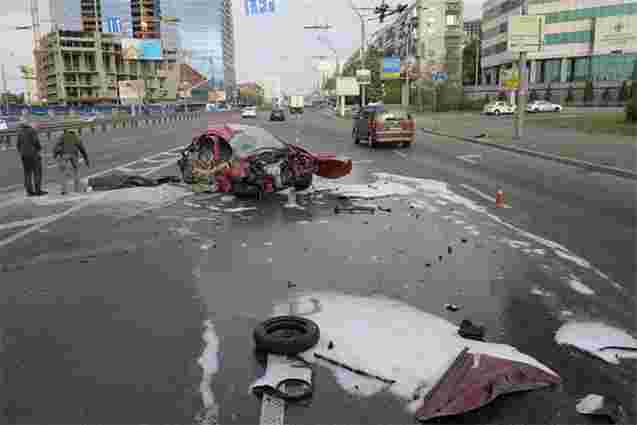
<point>589,93</point>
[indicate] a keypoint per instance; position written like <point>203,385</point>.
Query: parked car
<point>3,124</point>
<point>248,160</point>
<point>543,106</point>
<point>378,126</point>
<point>249,112</point>
<point>499,108</point>
<point>277,115</point>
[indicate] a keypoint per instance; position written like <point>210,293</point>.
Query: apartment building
<point>583,40</point>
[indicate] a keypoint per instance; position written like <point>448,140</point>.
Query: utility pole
<point>362,57</point>
<point>4,90</point>
<point>523,86</point>
<point>477,60</point>
<point>420,8</point>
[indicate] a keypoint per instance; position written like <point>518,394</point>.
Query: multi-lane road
<point>138,306</point>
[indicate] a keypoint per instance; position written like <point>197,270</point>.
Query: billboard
<point>526,33</point>
<point>347,86</point>
<point>364,76</point>
<point>132,91</point>
<point>141,49</point>
<point>510,78</point>
<point>615,33</point>
<point>390,68</point>
<point>260,7</point>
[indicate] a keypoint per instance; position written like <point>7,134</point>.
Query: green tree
<point>624,92</point>
<point>570,95</point>
<point>548,94</point>
<point>589,92</point>
<point>469,62</point>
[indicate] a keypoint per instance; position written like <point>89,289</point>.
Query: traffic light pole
<point>420,7</point>
<point>522,89</point>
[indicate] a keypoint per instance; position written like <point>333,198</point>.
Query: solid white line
<point>468,158</point>
<point>49,220</point>
<point>481,194</point>
<point>22,223</point>
<point>403,155</point>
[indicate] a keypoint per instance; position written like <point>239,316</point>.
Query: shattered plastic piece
<point>452,307</point>
<point>595,404</point>
<point>471,331</point>
<point>601,340</point>
<point>206,246</point>
<point>240,209</point>
<point>267,244</point>
<point>285,377</point>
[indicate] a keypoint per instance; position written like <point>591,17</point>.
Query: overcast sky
<point>265,46</point>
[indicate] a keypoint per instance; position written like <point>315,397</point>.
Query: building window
<point>581,68</point>
<point>452,20</point>
<point>569,37</point>
<point>591,12</point>
<point>613,67</point>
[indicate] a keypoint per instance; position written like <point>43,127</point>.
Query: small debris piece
<point>595,404</point>
<point>330,345</point>
<point>291,285</point>
<point>427,264</point>
<point>449,250</point>
<point>267,244</point>
<point>244,245</point>
<point>463,240</point>
<point>440,258</point>
<point>365,222</point>
<point>383,209</point>
<point>470,330</point>
<point>452,307</point>
<point>355,209</point>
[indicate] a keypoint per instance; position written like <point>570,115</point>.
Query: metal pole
<point>420,7</point>
<point>523,86</point>
<point>362,58</point>
<point>477,60</point>
<point>4,90</point>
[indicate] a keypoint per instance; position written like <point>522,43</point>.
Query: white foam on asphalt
<point>387,338</point>
<point>578,286</point>
<point>595,337</point>
<point>209,363</point>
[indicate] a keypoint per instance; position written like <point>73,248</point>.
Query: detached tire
<point>287,335</point>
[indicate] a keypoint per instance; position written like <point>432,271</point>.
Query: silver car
<point>543,106</point>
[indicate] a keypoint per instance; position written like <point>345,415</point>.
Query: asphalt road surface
<point>137,306</point>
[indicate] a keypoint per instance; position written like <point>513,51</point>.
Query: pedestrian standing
<point>30,149</point>
<point>67,151</point>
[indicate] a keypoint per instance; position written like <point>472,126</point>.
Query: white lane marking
<point>403,155</point>
<point>471,159</point>
<point>51,219</point>
<point>80,161</point>
<point>23,223</point>
<point>481,194</point>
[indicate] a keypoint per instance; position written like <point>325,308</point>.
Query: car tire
<point>406,145</point>
<point>303,183</point>
<point>357,140</point>
<point>558,110</point>
<point>286,335</point>
<point>496,113</point>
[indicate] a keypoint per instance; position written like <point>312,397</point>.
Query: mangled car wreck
<point>248,160</point>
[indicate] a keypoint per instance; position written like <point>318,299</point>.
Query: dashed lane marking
<point>471,159</point>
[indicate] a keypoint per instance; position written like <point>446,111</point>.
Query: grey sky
<point>265,45</point>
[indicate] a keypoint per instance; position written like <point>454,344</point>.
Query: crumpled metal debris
<point>470,330</point>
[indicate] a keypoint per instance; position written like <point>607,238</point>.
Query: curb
<point>619,172</point>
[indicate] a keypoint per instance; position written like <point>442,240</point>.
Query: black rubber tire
<point>304,335</point>
<point>303,183</point>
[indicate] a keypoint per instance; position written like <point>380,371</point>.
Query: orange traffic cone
<point>499,199</point>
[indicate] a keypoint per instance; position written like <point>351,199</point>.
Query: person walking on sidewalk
<point>66,152</point>
<point>29,148</point>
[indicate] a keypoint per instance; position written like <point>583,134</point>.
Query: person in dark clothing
<point>29,148</point>
<point>67,151</point>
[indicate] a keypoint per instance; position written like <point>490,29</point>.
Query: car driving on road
<point>378,126</point>
<point>499,108</point>
<point>249,112</point>
<point>543,106</point>
<point>277,114</point>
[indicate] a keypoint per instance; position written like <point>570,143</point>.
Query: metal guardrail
<point>104,124</point>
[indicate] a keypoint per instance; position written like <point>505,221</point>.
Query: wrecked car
<point>248,160</point>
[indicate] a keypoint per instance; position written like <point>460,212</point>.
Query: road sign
<point>439,76</point>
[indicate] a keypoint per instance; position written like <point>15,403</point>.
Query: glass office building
<point>583,40</point>
<point>66,15</point>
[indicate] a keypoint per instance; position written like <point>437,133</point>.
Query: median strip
<point>620,172</point>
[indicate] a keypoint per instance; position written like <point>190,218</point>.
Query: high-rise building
<point>472,30</point>
<point>583,40</point>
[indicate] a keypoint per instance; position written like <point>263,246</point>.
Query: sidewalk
<point>579,142</point>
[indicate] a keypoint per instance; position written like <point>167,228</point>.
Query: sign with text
<point>525,34</point>
<point>390,68</point>
<point>364,76</point>
<point>510,78</point>
<point>615,33</point>
<point>260,7</point>
<point>347,86</point>
<point>141,49</point>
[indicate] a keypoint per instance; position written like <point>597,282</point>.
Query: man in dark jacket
<point>67,151</point>
<point>29,148</point>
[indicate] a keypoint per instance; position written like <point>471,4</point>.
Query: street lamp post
<point>362,57</point>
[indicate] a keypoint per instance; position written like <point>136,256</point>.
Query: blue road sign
<point>439,76</point>
<point>259,7</point>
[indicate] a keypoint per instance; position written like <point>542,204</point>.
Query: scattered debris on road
<point>470,330</point>
<point>452,307</point>
<point>604,341</point>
